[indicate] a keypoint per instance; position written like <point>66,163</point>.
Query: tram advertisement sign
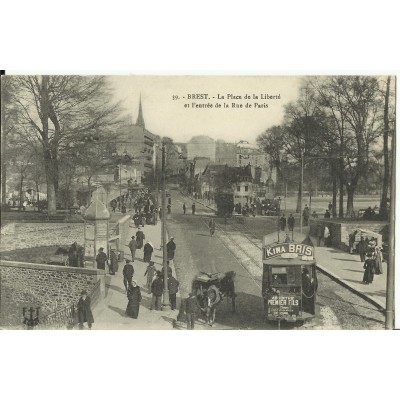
<point>288,250</point>
<point>280,306</point>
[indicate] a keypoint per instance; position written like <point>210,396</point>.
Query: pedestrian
<point>291,222</point>
<point>320,233</point>
<point>147,251</point>
<point>369,267</point>
<point>306,215</point>
<point>192,307</point>
<point>327,214</point>
<point>171,247</point>
<point>140,236</point>
<point>193,208</point>
<point>84,310</point>
<point>81,257</point>
<point>211,226</point>
<point>327,235</point>
<point>135,297</point>
<point>150,270</point>
<point>330,207</point>
<point>132,247</point>
<point>314,214</point>
<point>157,288</point>
<point>73,255</point>
<point>362,248</point>
<point>169,208</point>
<point>128,272</point>
<point>101,259</point>
<point>282,222</point>
<point>113,266</point>
<point>184,208</point>
<point>352,239</point>
<point>173,286</point>
<point>378,261</point>
<point>169,270</point>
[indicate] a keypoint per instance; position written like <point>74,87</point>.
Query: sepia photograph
<point>197,202</point>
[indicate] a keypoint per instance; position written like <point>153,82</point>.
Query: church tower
<point>140,119</point>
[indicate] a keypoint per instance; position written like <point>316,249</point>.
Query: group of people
<point>289,222</point>
<point>371,256</point>
<point>193,208</point>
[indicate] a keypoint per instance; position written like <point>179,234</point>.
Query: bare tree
<point>58,111</point>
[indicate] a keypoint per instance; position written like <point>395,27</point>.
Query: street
<point>235,247</point>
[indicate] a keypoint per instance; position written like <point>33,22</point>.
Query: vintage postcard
<point>174,202</point>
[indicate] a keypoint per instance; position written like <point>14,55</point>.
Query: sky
<point>165,116</point>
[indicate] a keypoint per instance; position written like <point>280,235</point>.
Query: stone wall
<point>27,235</point>
<point>49,287</point>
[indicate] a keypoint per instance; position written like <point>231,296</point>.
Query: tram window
<point>279,276</point>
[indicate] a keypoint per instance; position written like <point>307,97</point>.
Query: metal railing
<point>67,317</point>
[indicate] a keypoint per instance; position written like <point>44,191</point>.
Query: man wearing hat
<point>101,259</point>
<point>150,270</point>
<point>84,310</point>
<point>128,272</point>
<point>171,247</point>
<point>132,247</point>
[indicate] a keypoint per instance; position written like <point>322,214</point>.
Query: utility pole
<point>301,191</point>
<point>389,316</point>
<point>3,141</point>
<point>166,304</point>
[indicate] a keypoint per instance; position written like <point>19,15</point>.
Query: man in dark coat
<point>84,310</point>
<point>362,248</point>
<point>291,222</point>
<point>173,286</point>
<point>171,247</point>
<point>320,233</point>
<point>157,288</point>
<point>128,272</point>
<point>192,307</point>
<point>73,255</point>
<point>140,236</point>
<point>132,247</point>
<point>184,208</point>
<point>193,208</point>
<point>101,259</point>
<point>352,239</point>
<point>282,222</point>
<point>306,215</point>
<point>113,263</point>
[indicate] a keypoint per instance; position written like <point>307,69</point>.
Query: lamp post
<point>31,321</point>
<point>166,304</point>
<point>279,215</point>
<point>301,190</point>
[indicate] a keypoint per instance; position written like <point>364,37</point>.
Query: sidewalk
<point>345,268</point>
<point>348,269</point>
<point>110,314</point>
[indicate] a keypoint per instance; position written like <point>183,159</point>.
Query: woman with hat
<point>134,297</point>
<point>84,311</point>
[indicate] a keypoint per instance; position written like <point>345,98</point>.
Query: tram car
<point>289,282</point>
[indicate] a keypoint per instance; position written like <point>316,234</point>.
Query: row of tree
<point>54,125</point>
<point>340,129</point>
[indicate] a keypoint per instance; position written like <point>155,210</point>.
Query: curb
<point>337,279</point>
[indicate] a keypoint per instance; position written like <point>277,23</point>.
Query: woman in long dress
<point>378,261</point>
<point>147,252</point>
<point>134,297</point>
<point>369,272</point>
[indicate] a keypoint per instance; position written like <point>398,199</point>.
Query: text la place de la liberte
<point>233,100</point>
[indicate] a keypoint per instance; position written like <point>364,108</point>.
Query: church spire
<point>140,119</point>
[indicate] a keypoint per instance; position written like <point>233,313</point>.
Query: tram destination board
<point>289,250</point>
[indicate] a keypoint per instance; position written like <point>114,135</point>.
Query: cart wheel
<point>213,292</point>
